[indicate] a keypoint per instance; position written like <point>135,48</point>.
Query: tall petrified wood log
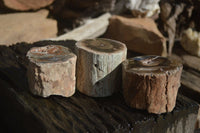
<point>151,82</point>
<point>98,66</point>
<point>51,71</point>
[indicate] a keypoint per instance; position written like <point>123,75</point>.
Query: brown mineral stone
<point>51,71</point>
<point>139,34</point>
<point>151,82</point>
<point>26,27</point>
<point>99,66</point>
<point>24,5</point>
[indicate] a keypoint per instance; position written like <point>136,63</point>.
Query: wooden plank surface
<point>191,74</point>
<point>27,113</point>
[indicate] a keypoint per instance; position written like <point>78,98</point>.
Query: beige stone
<point>190,41</point>
<point>26,27</point>
<point>139,34</point>
<point>151,83</point>
<point>99,66</point>
<point>24,5</point>
<point>51,71</point>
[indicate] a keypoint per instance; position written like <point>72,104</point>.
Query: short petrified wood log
<point>98,66</point>
<point>151,82</point>
<point>51,71</point>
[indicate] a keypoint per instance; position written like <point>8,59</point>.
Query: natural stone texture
<point>190,41</point>
<point>151,82</point>
<point>26,27</point>
<point>139,34</point>
<point>98,66</point>
<point>51,71</point>
<point>24,5</point>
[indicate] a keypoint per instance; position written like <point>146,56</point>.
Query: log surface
<point>27,113</point>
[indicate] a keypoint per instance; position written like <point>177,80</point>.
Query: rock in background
<point>24,5</point>
<point>26,27</point>
<point>190,41</point>
<point>140,35</point>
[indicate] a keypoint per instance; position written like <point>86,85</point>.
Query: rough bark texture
<point>151,82</point>
<point>51,71</point>
<point>139,34</point>
<point>26,27</point>
<point>24,5</point>
<point>98,66</point>
<point>24,113</point>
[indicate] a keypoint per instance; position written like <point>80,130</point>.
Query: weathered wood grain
<point>99,66</point>
<point>151,83</point>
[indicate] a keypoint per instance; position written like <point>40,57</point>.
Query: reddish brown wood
<point>151,82</point>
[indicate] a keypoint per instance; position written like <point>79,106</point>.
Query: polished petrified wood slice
<point>98,66</point>
<point>51,71</point>
<point>151,82</point>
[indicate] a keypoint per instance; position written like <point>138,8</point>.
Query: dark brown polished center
<point>103,45</point>
<point>151,64</point>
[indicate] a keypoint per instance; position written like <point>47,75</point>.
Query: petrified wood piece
<point>151,82</point>
<point>98,66</point>
<point>51,71</point>
<point>23,112</point>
